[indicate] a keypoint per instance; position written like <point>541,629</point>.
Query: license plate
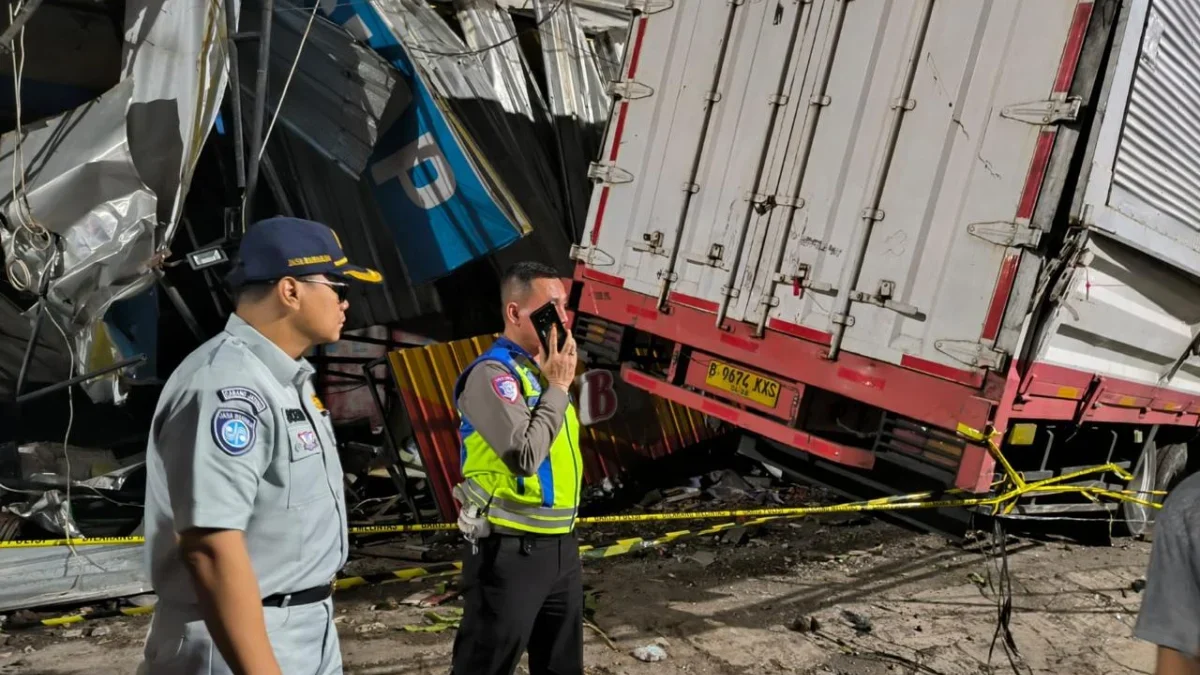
<point>757,388</point>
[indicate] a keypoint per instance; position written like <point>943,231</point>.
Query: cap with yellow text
<point>293,247</point>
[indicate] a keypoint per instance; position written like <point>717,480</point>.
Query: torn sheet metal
<point>341,97</point>
<point>176,57</point>
<point>329,195</point>
<point>485,25</point>
<point>594,15</point>
<point>637,427</point>
<point>38,577</point>
<point>446,202</point>
<point>536,151</point>
<point>608,46</point>
<point>577,98</point>
<point>48,511</point>
<point>82,185</point>
<point>573,78</point>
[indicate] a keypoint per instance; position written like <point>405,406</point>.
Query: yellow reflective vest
<point>548,501</point>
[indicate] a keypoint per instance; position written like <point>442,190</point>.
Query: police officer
<point>522,581</point>
<point>245,516</point>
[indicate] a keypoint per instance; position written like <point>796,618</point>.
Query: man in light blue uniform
<point>245,511</point>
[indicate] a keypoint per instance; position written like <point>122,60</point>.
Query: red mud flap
<point>834,452</point>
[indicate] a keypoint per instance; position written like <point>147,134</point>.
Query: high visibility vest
<point>548,501</point>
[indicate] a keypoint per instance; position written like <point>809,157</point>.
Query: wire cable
<point>487,48</point>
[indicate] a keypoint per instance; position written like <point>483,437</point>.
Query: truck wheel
<point>1157,469</point>
<point>10,526</point>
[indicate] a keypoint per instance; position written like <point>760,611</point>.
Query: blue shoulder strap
<point>501,351</point>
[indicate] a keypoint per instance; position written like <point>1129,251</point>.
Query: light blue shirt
<point>240,441</point>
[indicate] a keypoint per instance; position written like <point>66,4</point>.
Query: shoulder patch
<point>506,387</point>
<point>243,394</point>
<point>234,431</point>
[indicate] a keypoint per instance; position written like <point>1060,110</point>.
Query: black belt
<point>306,597</point>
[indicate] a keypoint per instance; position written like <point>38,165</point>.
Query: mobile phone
<point>543,318</point>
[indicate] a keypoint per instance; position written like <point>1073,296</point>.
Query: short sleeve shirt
<point>1170,612</point>
<point>240,441</point>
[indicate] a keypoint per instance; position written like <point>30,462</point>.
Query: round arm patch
<point>234,431</point>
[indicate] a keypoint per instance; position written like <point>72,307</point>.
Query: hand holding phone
<point>558,358</point>
<point>544,319</point>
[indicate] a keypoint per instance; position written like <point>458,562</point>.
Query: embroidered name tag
<point>294,415</point>
<point>243,394</point>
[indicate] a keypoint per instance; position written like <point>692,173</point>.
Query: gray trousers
<point>304,639</point>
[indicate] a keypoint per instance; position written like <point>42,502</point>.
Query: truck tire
<point>10,526</point>
<point>1158,469</point>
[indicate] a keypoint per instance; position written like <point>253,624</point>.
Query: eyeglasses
<point>341,288</point>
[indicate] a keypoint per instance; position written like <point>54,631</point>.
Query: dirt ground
<point>749,603</point>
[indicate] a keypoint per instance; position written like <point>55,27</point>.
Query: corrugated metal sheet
<point>1144,186</point>
<point>36,577</point>
<point>577,98</point>
<point>340,99</point>
<point>1157,161</point>
<point>647,427</point>
<point>594,15</point>
<point>490,30</point>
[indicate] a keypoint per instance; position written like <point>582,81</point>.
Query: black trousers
<point>521,593</point>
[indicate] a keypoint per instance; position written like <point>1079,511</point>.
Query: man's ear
<point>288,292</point>
<point>512,313</point>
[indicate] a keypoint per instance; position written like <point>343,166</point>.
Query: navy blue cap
<point>293,247</point>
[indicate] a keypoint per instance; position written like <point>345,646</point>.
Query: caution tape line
<point>632,545</point>
<point>1001,504</point>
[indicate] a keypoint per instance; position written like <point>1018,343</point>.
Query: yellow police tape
<point>1002,504</point>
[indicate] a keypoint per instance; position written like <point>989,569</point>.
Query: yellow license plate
<point>742,383</point>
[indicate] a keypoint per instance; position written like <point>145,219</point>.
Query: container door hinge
<point>1018,233</point>
<point>629,90</point>
<point>649,6</point>
<point>579,253</point>
<point>974,354</point>
<point>1050,111</point>
<point>609,174</point>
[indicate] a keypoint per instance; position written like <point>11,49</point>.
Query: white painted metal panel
<point>1144,186</point>
<point>957,160</point>
<point>1128,316</point>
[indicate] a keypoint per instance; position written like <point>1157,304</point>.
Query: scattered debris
<point>100,631</point>
<point>73,633</point>
<point>650,654</point>
<point>430,598</point>
<point>737,536</point>
<point>603,636</point>
<point>1138,585</point>
<point>437,622</point>
<point>860,623</point>
<point>702,558</point>
<point>29,649</point>
<point>805,624</point>
<point>372,627</point>
<point>389,603</point>
<point>977,579</point>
